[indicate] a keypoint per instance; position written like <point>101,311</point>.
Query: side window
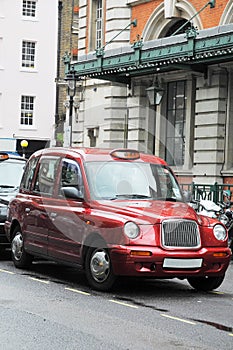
<point>71,175</point>
<point>46,175</point>
<point>29,174</point>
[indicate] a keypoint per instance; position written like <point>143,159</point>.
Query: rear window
<point>11,172</point>
<point>29,174</point>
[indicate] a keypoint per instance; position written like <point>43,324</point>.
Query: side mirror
<point>187,196</point>
<point>71,192</point>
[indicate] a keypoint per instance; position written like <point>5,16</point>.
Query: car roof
<point>96,154</point>
<point>12,155</point>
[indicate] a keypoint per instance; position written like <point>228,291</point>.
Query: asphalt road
<point>51,307</point>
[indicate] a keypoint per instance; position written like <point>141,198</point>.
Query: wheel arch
<point>91,241</point>
<point>14,224</point>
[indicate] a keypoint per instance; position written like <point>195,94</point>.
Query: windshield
<point>131,180</point>
<point>11,172</point>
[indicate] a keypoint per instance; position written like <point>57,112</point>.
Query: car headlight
<point>131,230</point>
<point>220,232</point>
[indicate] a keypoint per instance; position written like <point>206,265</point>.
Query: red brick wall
<point>142,13</point>
<point>210,17</point>
<point>228,180</point>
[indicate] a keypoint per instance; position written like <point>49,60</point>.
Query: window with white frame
<point>176,122</point>
<point>99,23</point>
<point>29,8</point>
<point>28,54</point>
<point>96,25</point>
<point>75,23</point>
<point>27,110</point>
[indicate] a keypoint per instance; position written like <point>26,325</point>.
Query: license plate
<point>182,263</point>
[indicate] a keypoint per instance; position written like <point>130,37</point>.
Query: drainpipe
<point>57,119</point>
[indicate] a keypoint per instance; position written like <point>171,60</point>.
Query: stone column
<point>138,123</point>
<point>210,119</point>
<point>115,116</point>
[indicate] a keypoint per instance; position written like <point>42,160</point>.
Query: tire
<point>21,259</point>
<point>205,283</point>
<point>98,268</point>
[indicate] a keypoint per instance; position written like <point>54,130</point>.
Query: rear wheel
<point>20,257</point>
<point>98,268</point>
<point>206,283</point>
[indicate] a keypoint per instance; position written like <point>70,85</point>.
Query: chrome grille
<point>180,234</point>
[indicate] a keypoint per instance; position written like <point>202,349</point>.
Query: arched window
<point>178,27</point>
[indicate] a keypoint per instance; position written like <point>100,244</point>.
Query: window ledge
<point>28,70</point>
<point>27,127</point>
<point>228,172</point>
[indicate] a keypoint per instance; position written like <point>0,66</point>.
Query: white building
<point>28,51</point>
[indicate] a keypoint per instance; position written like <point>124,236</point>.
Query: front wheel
<point>206,283</point>
<point>98,269</point>
<point>20,257</point>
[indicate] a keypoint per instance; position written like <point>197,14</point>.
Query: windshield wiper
<point>132,196</point>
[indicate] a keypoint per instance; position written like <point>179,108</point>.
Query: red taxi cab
<point>113,213</point>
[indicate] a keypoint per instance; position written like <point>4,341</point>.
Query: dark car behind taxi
<point>11,170</point>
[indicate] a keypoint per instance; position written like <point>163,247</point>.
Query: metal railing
<point>212,192</point>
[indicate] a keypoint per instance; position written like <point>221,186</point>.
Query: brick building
<point>68,29</point>
<point>180,49</point>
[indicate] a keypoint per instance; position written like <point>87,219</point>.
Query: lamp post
<point>24,145</point>
<point>155,94</point>
<point>71,89</point>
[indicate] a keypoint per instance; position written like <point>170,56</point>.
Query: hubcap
<point>100,265</point>
<point>17,246</point>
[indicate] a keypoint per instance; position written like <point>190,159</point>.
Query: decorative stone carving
<point>170,8</point>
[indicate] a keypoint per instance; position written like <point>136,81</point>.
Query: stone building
<point>180,49</point>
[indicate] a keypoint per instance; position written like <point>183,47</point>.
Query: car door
<point>67,227</point>
<point>37,222</point>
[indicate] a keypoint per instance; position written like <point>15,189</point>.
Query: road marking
<point>77,291</point>
<point>5,271</point>
<point>124,304</point>
<point>178,319</point>
<point>221,293</point>
<point>231,334</point>
<point>38,280</point>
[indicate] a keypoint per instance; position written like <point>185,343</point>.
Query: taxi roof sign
<point>3,156</point>
<point>127,154</point>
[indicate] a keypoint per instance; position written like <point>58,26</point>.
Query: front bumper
<point>210,262</point>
